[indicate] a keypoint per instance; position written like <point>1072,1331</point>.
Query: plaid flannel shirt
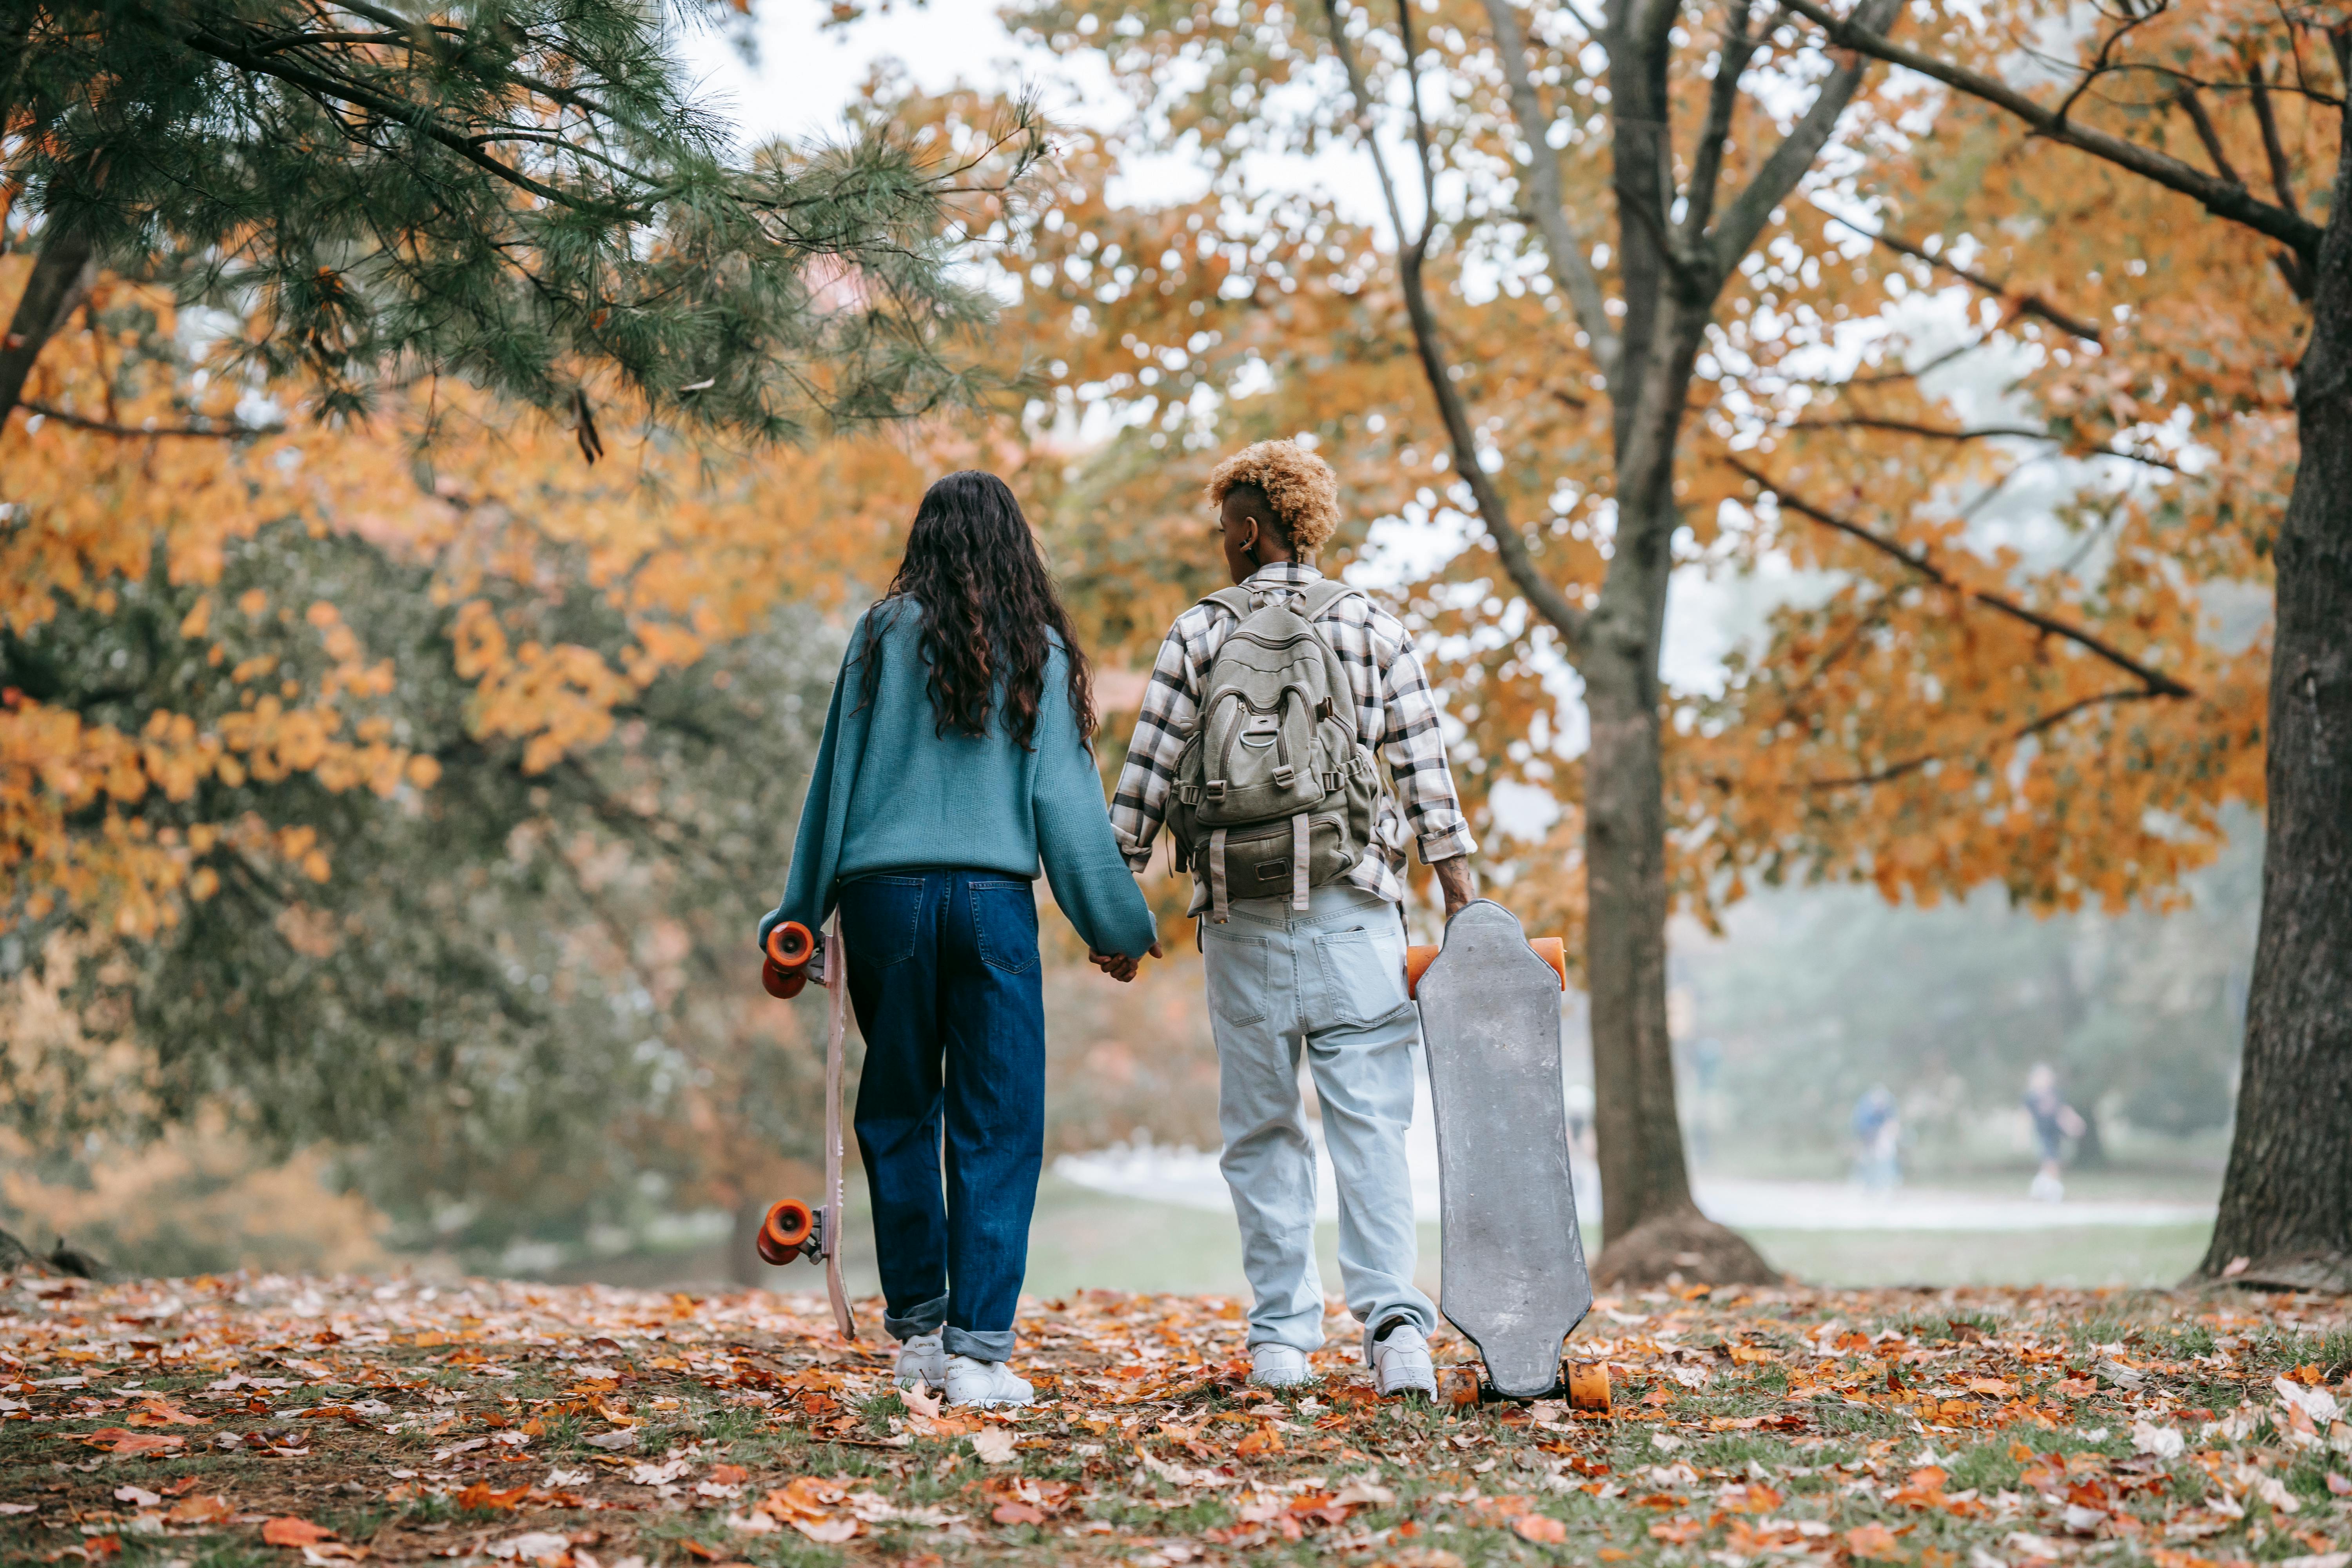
<point>1393,702</point>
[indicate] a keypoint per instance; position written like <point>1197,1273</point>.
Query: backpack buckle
<point>1283,774</point>
<point>1215,790</point>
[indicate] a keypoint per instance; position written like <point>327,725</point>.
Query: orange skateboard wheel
<point>781,983</point>
<point>1588,1383</point>
<point>789,945</point>
<point>1417,960</point>
<point>788,1224</point>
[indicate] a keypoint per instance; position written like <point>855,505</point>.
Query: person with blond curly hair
<point>1320,972</point>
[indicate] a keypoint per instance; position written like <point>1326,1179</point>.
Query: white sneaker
<point>984,1383</point>
<point>924,1360</point>
<point>1275,1365</point>
<point>1401,1362</point>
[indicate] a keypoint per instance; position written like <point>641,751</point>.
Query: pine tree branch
<point>410,115</point>
<point>2157,683</point>
<point>1509,545</point>
<point>61,275</point>
<point>2218,196</point>
<point>229,432</point>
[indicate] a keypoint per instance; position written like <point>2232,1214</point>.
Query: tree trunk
<point>2286,1202</point>
<point>60,275</point>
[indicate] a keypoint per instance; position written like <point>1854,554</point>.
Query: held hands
<point>1120,967</point>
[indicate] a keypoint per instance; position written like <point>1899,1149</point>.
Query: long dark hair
<point>988,605</point>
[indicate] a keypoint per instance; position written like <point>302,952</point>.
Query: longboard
<point>795,1228</point>
<point>1513,1279</point>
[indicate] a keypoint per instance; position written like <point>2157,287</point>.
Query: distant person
<point>955,759</point>
<point>1299,916</point>
<point>1878,1138</point>
<point>2055,1121</point>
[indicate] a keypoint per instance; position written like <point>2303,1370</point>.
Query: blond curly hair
<point>1299,487</point>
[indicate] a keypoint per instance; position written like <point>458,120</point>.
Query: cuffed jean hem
<point>923,1319</point>
<point>980,1344</point>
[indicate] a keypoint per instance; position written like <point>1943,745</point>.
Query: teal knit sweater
<point>890,793</point>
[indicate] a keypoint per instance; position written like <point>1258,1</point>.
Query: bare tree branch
<point>1571,267</point>
<point>2219,196</point>
<point>2194,107</point>
<point>2273,150</point>
<point>2047,722</point>
<point>1747,215</point>
<point>2157,682</point>
<point>2023,304</point>
<point>1722,103</point>
<point>1510,546</point>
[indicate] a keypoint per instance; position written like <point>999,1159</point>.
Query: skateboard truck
<point>786,970</point>
<point>792,1230</point>
<point>790,957</point>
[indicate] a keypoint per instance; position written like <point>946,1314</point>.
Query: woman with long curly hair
<point>956,759</point>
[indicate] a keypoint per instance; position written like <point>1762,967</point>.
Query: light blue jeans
<point>1331,983</point>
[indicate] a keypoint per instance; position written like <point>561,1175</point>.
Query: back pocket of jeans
<point>880,916</point>
<point>1005,925</point>
<point>1240,975</point>
<point>1363,974</point>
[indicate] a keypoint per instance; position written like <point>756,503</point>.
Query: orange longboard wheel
<point>1550,948</point>
<point>1417,959</point>
<point>1588,1381</point>
<point>789,945</point>
<point>783,983</point>
<point>788,1224</point>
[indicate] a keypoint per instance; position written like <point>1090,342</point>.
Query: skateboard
<point>795,1228</point>
<point>1513,1279</point>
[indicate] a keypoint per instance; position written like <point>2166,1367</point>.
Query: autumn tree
<point>2229,117</point>
<point>2062,720</point>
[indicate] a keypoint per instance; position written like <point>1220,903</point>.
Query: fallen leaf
<point>828,1532</point>
<point>1264,1440</point>
<point>1873,1542</point>
<point>137,1497</point>
<point>116,1440</point>
<point>1016,1513</point>
<point>993,1445</point>
<point>481,1495</point>
<point>292,1532</point>
<point>198,1510</point>
<point>1542,1529</point>
<point>728,1475</point>
<point>1676,1531</point>
<point>920,1402</point>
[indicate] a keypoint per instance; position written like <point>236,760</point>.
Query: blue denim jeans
<point>1328,984</point>
<point>944,978</point>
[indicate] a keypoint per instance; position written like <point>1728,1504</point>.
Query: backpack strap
<point>1235,599</point>
<point>1320,596</point>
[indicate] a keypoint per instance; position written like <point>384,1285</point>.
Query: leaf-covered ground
<point>298,1422</point>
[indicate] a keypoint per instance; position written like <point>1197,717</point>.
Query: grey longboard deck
<point>1513,1279</point>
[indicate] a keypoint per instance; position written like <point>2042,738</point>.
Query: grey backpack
<point>1275,792</point>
